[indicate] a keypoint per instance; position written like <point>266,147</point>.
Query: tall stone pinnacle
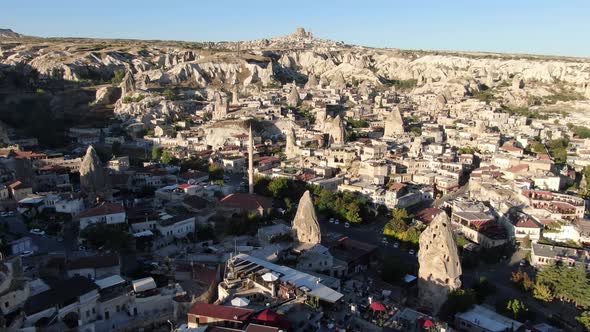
<point>250,162</point>
<point>293,99</point>
<point>93,178</point>
<point>290,148</point>
<point>221,106</point>
<point>305,224</point>
<point>440,267</point>
<point>336,130</point>
<point>128,84</point>
<point>394,124</point>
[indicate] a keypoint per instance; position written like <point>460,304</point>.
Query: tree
<point>109,236</point>
<point>279,187</point>
<point>483,288</point>
<point>526,242</point>
<point>566,283</point>
<point>542,292</point>
<point>584,319</point>
<point>168,158</point>
<point>118,77</point>
<point>156,152</point>
<point>522,280</point>
<point>169,94</point>
<point>516,308</point>
<point>116,148</point>
<point>215,172</point>
<point>458,300</point>
<point>397,224</point>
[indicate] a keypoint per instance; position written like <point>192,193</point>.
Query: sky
<point>554,27</point>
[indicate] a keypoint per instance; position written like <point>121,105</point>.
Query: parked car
<point>4,214</point>
<point>37,231</point>
<point>384,240</point>
<point>11,213</point>
<point>411,252</point>
<point>26,253</point>
<point>396,245</point>
<point>346,225</point>
<point>331,220</point>
<point>523,262</point>
<point>337,222</point>
<point>82,248</point>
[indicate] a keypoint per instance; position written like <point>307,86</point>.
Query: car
<point>346,225</point>
<point>26,253</point>
<point>11,213</point>
<point>384,240</point>
<point>4,214</point>
<point>396,245</point>
<point>37,231</point>
<point>82,248</point>
<point>331,220</point>
<point>523,262</point>
<point>411,252</point>
<point>336,222</point>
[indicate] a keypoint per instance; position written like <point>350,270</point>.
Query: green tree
<point>118,77</point>
<point>516,308</point>
<point>566,283</point>
<point>156,152</point>
<point>168,158</point>
<point>542,292</point>
<point>169,94</point>
<point>584,319</point>
<point>279,187</point>
<point>110,236</point>
<point>353,213</point>
<point>458,300</point>
<point>215,172</point>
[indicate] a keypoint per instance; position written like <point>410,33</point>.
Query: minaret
<point>250,162</point>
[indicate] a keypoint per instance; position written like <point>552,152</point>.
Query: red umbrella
<point>377,306</point>
<point>428,324</point>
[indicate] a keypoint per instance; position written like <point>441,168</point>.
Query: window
<point>87,313</point>
<point>6,304</point>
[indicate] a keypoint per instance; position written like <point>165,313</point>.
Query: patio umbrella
<point>428,324</point>
<point>270,277</point>
<point>240,302</point>
<point>376,306</point>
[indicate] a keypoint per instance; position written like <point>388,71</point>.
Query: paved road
<point>42,244</point>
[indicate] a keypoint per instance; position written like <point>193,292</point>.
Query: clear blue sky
<point>560,27</point>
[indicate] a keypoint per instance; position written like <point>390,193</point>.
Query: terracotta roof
<point>397,186</point>
<point>22,154</point>
<point>184,186</point>
<point>527,223</point>
<point>246,201</point>
<point>261,328</point>
<point>518,168</point>
<point>220,312</point>
<point>102,210</point>
<point>427,215</point>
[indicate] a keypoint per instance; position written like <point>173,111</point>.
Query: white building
<point>108,213</point>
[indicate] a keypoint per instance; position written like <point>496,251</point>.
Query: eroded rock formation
<point>440,267</point>
<point>93,176</point>
<point>394,124</point>
<point>305,224</point>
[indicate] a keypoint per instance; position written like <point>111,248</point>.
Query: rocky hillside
<point>8,33</point>
<point>295,57</point>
